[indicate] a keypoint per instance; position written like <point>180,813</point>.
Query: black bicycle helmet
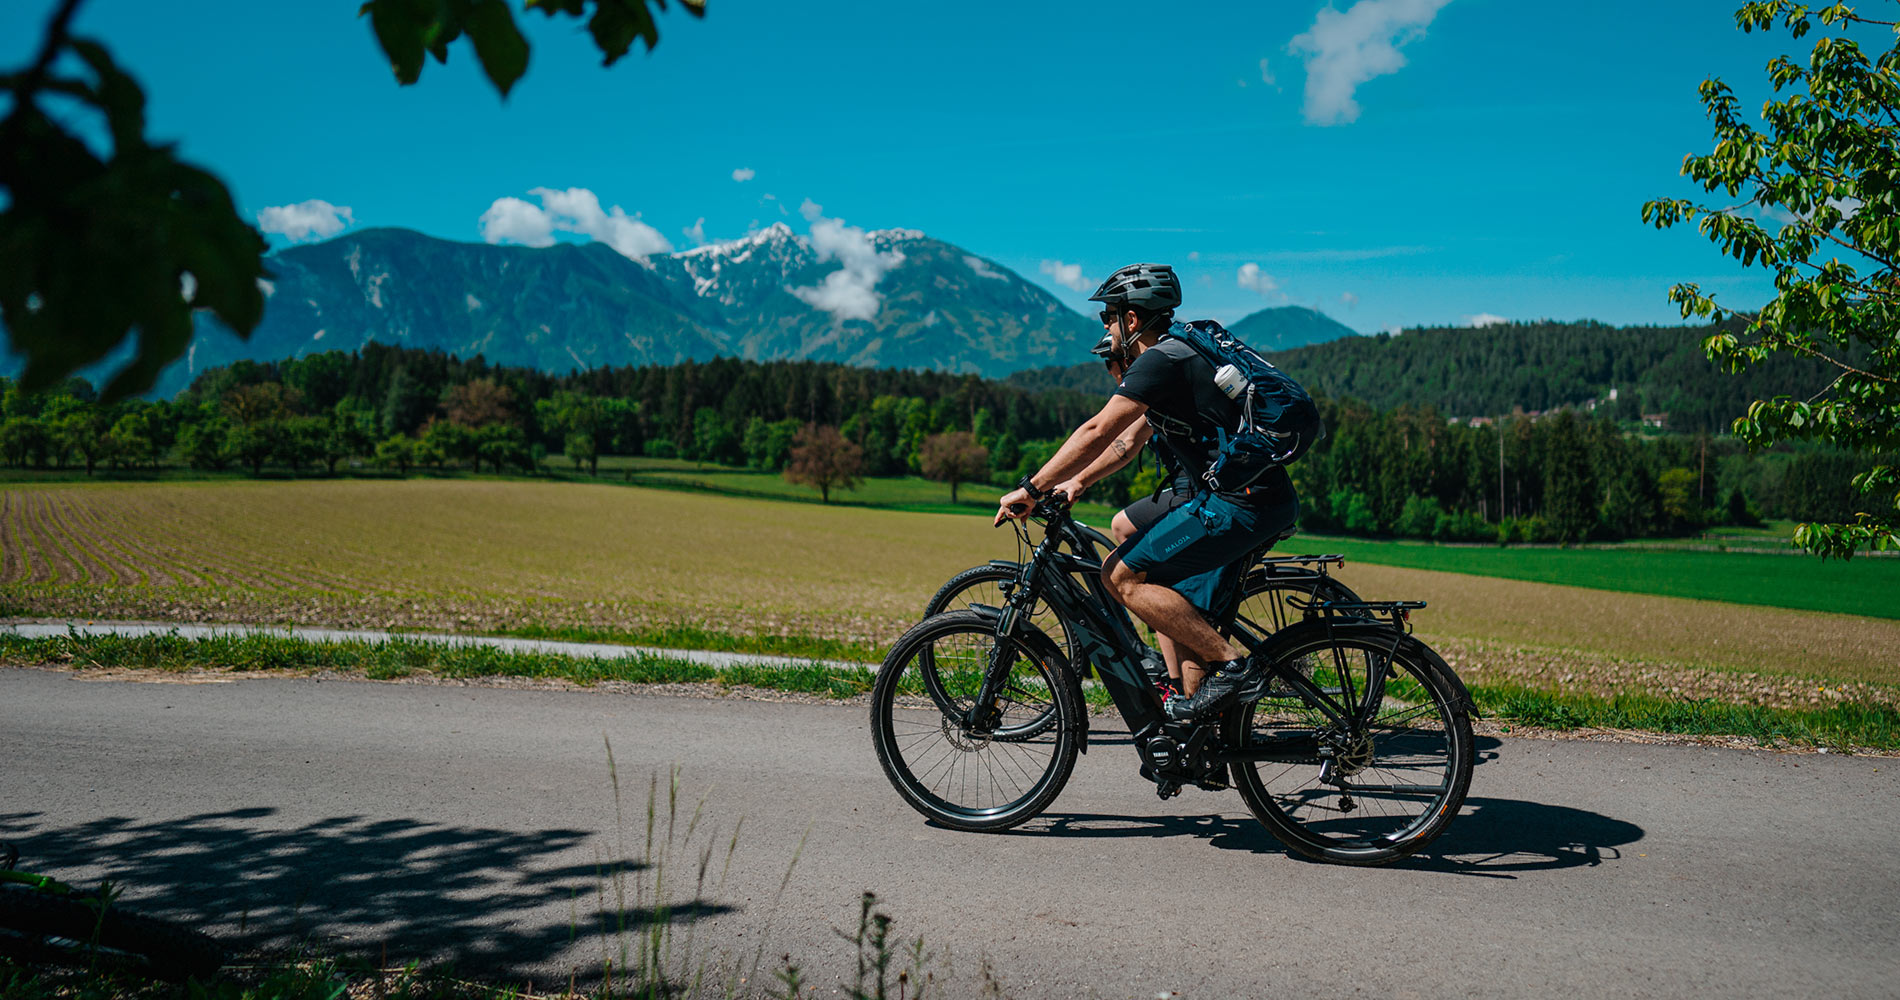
<point>1152,287</point>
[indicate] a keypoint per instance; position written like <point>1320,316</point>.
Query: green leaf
<point>399,26</point>
<point>498,44</point>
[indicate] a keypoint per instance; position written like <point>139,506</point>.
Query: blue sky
<point>1498,172</point>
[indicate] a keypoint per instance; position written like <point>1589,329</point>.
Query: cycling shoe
<point>1217,691</point>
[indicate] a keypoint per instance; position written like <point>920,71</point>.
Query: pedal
<point>1167,788</point>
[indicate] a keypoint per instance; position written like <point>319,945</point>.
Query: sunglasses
<point>1109,315</point>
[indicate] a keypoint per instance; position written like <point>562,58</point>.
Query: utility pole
<point>1500,423</point>
<point>1702,477</point>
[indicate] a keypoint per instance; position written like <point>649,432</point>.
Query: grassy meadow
<point>1867,586</point>
<point>1735,565</point>
<point>698,568</point>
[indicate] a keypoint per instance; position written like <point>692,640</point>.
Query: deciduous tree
<point>822,458</point>
<point>953,458</point>
<point>1818,183</point>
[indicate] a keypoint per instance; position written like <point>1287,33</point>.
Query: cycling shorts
<point>1196,545</point>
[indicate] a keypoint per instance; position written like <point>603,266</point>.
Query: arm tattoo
<point>1121,448</point>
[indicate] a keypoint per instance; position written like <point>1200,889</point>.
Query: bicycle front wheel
<point>988,585</point>
<point>1366,793</point>
<point>975,778</point>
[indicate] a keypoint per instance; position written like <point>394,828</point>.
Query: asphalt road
<point>480,825</point>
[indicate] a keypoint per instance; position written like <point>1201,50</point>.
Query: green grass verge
<point>394,659</point>
<point>1842,727</point>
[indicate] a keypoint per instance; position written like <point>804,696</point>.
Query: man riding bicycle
<point>1181,551</point>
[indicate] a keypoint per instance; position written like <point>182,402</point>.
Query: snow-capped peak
<point>774,233</point>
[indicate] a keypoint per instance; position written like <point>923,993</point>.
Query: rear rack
<point>1395,612</point>
<point>1318,561</point>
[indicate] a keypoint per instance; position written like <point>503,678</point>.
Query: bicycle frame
<point>1105,636</point>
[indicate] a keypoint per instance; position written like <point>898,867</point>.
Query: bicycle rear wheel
<point>954,775</point>
<point>1267,597</point>
<point>1357,795</point>
<point>45,927</point>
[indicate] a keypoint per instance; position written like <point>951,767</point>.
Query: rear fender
<point>1299,633</point>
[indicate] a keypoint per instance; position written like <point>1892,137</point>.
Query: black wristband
<point>1030,488</point>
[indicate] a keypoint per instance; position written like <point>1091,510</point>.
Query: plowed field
<point>490,555</point>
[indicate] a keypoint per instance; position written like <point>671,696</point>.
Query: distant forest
<point>1384,469</point>
<point>1528,368</point>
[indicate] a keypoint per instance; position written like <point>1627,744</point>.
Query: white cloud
<point>744,174</point>
<point>697,232</point>
<point>1066,275</point>
<point>1194,255</point>
<point>1484,319</point>
<point>1848,207</point>
<point>982,268</point>
<point>575,210</point>
<point>1253,279</point>
<point>511,220</point>
<point>1776,213</point>
<point>315,219</point>
<point>1348,299</point>
<point>1344,50</point>
<point>850,292</point>
<point>1266,74</point>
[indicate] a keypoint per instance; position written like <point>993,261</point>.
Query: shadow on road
<point>426,890</point>
<point>1496,837</point>
<point>1491,837</point>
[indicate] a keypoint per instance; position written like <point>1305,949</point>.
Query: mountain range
<point>894,298</point>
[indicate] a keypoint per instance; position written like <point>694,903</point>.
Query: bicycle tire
<point>944,771</point>
<point>1265,615</point>
<point>1307,588</point>
<point>1418,750</point>
<point>40,926</point>
<point>984,585</point>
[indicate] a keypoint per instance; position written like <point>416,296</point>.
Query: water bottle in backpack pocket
<point>1278,421</point>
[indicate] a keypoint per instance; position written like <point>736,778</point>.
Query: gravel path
<point>548,647</point>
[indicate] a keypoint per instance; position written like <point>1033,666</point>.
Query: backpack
<point>1278,421</point>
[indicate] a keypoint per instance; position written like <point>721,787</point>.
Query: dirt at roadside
<point>1604,676</point>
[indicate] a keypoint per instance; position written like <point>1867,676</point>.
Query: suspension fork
<point>985,713</point>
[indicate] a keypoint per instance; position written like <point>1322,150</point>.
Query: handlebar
<point>1047,507</point>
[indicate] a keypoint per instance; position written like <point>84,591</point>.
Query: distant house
<point>1655,419</point>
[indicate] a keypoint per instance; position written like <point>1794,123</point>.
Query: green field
<point>1866,586</point>
<point>908,493</point>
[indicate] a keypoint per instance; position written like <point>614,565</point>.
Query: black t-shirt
<point>1187,409</point>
